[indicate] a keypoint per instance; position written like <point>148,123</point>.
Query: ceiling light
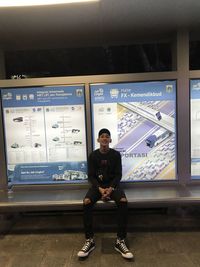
<point>12,3</point>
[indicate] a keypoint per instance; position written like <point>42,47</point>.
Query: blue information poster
<point>142,119</point>
<point>195,128</point>
<point>45,134</point>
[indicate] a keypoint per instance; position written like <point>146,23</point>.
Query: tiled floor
<point>42,241</point>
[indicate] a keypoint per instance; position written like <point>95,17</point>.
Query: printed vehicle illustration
<point>15,145</point>
<point>18,119</point>
<point>77,142</point>
<point>157,137</point>
<point>158,115</point>
<point>70,175</point>
<point>75,130</point>
<point>37,145</point>
<point>55,126</point>
<point>56,139</point>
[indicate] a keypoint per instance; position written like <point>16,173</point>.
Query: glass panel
<point>142,120</point>
<point>45,134</point>
<point>195,128</point>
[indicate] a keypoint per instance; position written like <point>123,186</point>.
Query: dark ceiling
<point>91,24</point>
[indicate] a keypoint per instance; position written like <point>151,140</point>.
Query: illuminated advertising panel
<point>195,128</point>
<point>142,119</point>
<point>45,134</point>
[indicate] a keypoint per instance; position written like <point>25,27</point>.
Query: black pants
<point>94,195</point>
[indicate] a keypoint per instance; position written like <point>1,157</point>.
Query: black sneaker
<point>87,248</point>
<point>121,247</point>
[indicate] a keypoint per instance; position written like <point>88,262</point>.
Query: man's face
<point>104,139</point>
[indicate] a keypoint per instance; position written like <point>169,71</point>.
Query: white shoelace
<point>86,245</point>
<point>123,246</point>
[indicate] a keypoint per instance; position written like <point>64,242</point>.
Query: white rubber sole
<point>128,255</point>
<point>81,254</point>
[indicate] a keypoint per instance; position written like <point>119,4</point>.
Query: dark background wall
<point>89,60</point>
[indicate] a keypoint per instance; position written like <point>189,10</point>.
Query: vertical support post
<point>88,118</point>
<point>183,106</point>
<point>3,175</point>
<point>2,66</point>
<point>3,178</point>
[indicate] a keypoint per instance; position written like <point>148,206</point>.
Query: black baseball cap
<point>104,130</point>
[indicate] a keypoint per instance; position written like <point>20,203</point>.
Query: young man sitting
<point>104,174</point>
